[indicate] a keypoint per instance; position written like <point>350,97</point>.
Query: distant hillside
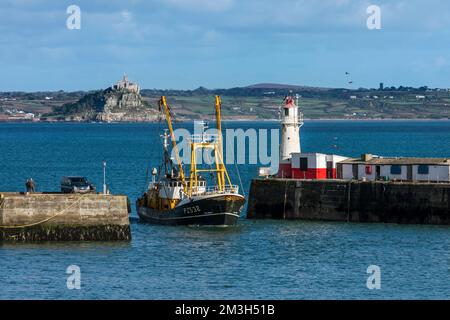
<point>276,90</point>
<point>258,101</point>
<point>279,86</point>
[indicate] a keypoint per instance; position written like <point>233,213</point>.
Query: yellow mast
<point>163,103</point>
<point>219,155</point>
<point>217,146</point>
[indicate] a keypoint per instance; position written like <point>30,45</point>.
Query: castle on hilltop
<point>126,84</point>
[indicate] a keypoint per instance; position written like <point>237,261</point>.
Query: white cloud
<point>125,24</point>
<point>126,16</point>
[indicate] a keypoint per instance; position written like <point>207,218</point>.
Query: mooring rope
<point>42,221</point>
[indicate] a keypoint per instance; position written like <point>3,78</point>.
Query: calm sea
<point>255,260</point>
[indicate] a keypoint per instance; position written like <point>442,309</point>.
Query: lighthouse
<point>291,121</point>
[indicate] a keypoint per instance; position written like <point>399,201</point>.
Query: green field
<point>400,107</point>
<point>252,104</point>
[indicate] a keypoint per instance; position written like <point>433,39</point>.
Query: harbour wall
<point>63,217</point>
<point>352,201</point>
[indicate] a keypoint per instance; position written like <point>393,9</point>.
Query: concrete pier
<point>63,217</point>
<point>353,201</point>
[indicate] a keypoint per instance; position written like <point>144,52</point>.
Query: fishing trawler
<point>173,198</point>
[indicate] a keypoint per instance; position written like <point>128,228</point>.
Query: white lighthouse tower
<point>291,121</point>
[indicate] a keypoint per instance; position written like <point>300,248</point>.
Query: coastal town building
<point>295,164</point>
<point>314,165</point>
<point>372,168</point>
<point>367,168</point>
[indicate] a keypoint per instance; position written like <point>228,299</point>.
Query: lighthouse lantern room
<point>291,121</point>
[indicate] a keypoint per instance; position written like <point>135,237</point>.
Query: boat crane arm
<point>219,159</point>
<point>164,105</point>
<point>219,124</point>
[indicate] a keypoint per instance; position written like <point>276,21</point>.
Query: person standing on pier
<point>30,185</point>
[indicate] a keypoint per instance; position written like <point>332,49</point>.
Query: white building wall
<point>347,172</point>
<point>321,161</point>
<point>316,160</point>
<point>386,172</point>
<point>295,160</point>
<point>313,159</point>
<point>335,159</point>
<point>362,172</point>
<point>436,173</point>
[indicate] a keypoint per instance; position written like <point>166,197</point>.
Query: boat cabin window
<point>173,184</point>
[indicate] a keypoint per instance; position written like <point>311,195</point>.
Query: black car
<point>76,185</point>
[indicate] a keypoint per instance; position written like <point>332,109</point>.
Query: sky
<point>184,44</point>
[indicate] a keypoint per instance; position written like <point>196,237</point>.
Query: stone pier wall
<point>353,201</point>
<point>63,217</point>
